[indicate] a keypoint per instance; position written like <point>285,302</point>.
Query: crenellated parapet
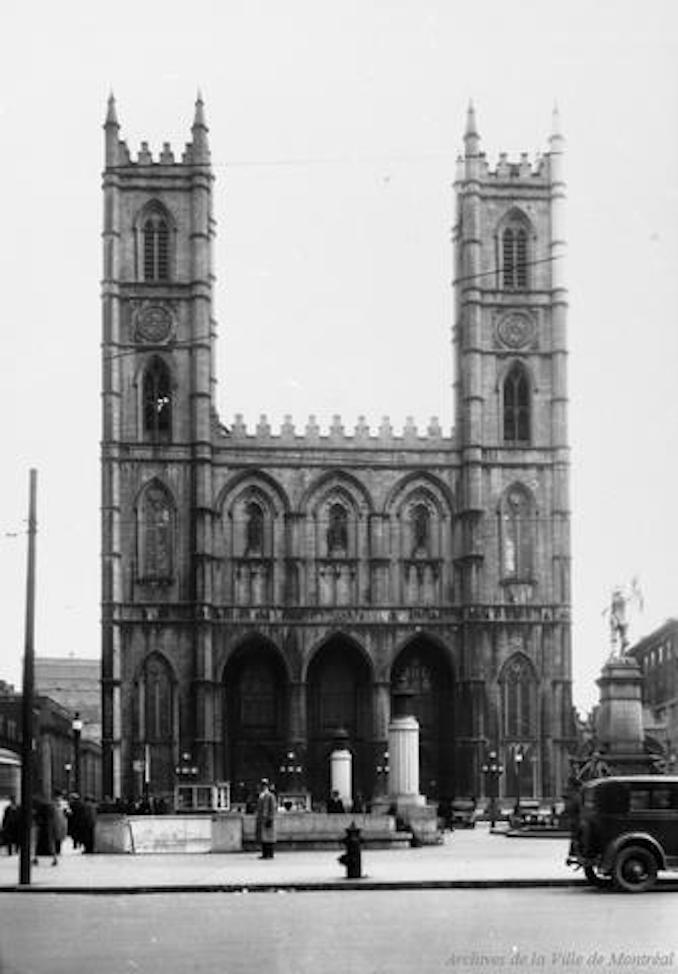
<point>338,435</point>
<point>196,152</point>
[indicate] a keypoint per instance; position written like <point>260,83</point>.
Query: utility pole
<point>27,695</point>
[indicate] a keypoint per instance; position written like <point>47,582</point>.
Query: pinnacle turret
<point>111,113</point>
<point>199,130</point>
<point>471,136</point>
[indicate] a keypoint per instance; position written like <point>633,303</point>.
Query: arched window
<point>157,701</point>
<point>517,535</point>
<point>254,529</point>
<point>518,699</point>
<point>156,535</point>
<point>516,403</point>
<point>337,531</point>
<point>514,257</point>
<point>155,232</point>
<point>421,529</point>
<point>157,402</point>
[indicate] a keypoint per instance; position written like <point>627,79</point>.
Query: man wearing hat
<point>266,809</point>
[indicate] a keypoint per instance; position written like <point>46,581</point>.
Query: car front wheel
<point>635,869</point>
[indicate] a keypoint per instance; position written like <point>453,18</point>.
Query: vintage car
<point>463,813</point>
<point>625,830</point>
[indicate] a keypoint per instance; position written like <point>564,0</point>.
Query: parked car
<point>525,813</point>
<point>625,829</point>
<point>463,813</point>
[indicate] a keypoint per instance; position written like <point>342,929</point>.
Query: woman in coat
<point>265,826</point>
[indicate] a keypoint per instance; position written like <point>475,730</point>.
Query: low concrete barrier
<point>231,832</point>
<point>318,829</point>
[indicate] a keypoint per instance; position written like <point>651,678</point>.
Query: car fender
<point>631,838</point>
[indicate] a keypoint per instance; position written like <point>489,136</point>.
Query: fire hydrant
<point>352,858</point>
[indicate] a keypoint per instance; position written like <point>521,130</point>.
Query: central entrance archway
<point>423,670</point>
<point>255,690</point>
<point>338,688</point>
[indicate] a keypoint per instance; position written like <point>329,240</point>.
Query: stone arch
<point>517,513</point>
<point>249,549</point>
<point>154,230</point>
<point>156,715</point>
<point>339,481</point>
<point>515,240</point>
<point>424,671</point>
<point>338,699</point>
<point>516,390</point>
<point>155,517</point>
<point>255,682</point>
<point>518,687</point>
<point>156,387</point>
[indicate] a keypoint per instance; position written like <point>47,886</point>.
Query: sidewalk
<point>471,858</point>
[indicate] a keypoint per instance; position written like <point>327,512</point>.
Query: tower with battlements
<point>264,591</point>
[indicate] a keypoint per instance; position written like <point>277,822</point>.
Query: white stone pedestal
<point>341,767</point>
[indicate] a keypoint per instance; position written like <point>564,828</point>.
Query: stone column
<point>403,750</point>
<point>341,769</point>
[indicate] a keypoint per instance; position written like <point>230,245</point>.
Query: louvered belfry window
<point>156,248</point>
<point>516,406</point>
<point>514,258</point>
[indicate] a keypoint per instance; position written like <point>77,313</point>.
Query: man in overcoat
<point>265,823</point>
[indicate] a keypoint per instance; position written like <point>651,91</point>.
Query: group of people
<point>52,821</point>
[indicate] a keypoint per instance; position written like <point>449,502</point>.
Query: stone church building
<point>264,591</point>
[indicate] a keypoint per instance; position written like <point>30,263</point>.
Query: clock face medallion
<point>154,325</point>
<point>516,330</point>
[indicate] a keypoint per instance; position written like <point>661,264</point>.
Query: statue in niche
<point>337,531</point>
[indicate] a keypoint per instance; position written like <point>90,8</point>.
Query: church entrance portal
<point>338,688</point>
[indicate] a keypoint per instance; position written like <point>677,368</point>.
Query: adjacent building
<point>657,655</point>
<point>265,591</point>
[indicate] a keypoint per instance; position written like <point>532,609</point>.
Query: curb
<point>335,886</point>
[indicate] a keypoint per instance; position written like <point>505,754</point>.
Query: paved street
<point>297,914</point>
<point>375,932</point>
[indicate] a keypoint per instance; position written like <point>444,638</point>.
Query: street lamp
<point>518,757</point>
<point>76,727</point>
<point>291,770</point>
<point>68,768</point>
<point>382,774</point>
<point>493,769</point>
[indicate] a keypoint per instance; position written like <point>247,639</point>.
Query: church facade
<point>266,591</point>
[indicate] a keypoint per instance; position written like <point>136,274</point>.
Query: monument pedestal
<point>619,722</point>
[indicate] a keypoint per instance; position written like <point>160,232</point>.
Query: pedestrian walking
<point>11,826</point>
<point>45,829</point>
<point>265,822</point>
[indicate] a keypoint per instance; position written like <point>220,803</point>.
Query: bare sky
<point>334,130</point>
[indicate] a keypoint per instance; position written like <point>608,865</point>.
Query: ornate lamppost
<point>76,727</point>
<point>382,774</point>
<point>290,769</point>
<point>518,758</point>
<point>492,769</point>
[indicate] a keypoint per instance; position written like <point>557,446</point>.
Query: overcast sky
<point>334,130</point>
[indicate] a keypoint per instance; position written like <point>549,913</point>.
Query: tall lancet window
<point>517,535</point>
<point>514,257</point>
<point>518,703</point>
<point>157,402</point>
<point>254,529</point>
<point>156,247</point>
<point>516,395</point>
<point>421,529</point>
<point>156,535</point>
<point>337,531</point>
